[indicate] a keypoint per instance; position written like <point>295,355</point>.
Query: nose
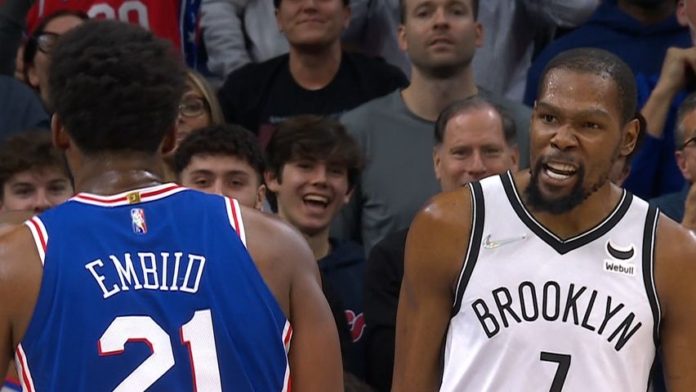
<point>440,18</point>
<point>309,5</point>
<point>477,167</point>
<point>564,138</point>
<point>319,175</point>
<point>218,187</point>
<point>41,202</point>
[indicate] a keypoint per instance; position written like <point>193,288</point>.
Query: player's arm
<point>20,279</point>
<point>435,248</point>
<point>315,354</point>
<point>289,269</point>
<point>675,275</point>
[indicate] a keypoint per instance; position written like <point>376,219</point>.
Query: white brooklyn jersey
<point>534,312</point>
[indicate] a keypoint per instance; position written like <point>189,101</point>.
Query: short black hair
<point>316,138</point>
<point>115,86</point>
<point>32,45</point>
<point>402,9</point>
<point>276,3</point>
<point>224,140</point>
<point>469,104</point>
<point>602,63</point>
<point>687,106</point>
<point>32,149</point>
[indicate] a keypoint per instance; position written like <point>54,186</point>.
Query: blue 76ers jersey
<point>151,290</point>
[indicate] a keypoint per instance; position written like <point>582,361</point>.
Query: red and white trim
<point>234,213</point>
<point>38,231</point>
<point>23,370</point>
<point>287,337</point>
<point>121,199</point>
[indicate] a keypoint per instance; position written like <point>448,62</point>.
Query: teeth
<point>557,176</point>
<point>561,167</point>
<point>317,199</point>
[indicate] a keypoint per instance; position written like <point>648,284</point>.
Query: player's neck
<point>108,174</point>
<point>591,212</point>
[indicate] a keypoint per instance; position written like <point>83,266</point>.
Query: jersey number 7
<point>563,361</point>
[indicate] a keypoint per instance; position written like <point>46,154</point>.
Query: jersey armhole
<point>38,231</point>
<point>649,269</point>
<point>235,216</point>
<point>475,236</point>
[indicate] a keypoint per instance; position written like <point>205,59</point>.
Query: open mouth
<point>559,171</point>
<point>316,201</point>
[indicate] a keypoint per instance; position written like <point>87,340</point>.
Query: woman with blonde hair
<point>199,106</point>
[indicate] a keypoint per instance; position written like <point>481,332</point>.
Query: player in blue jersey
<point>137,285</point>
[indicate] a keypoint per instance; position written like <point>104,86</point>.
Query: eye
<point>460,153</point>
<point>57,189</point>
<point>491,152</point>
<point>201,182</point>
<point>591,125</point>
<point>23,191</point>
<point>304,165</point>
<point>547,118</point>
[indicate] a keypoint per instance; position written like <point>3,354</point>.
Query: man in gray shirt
<point>396,131</point>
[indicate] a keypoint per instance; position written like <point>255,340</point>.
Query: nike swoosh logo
<point>492,244</point>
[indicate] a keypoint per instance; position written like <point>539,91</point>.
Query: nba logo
<point>138,221</point>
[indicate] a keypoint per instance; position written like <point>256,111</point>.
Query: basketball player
<point>553,279</point>
<point>136,285</point>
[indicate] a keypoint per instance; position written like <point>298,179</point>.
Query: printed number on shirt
<point>563,361</point>
<point>129,11</point>
<point>196,334</point>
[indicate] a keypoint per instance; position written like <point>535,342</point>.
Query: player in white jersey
<point>552,279</point>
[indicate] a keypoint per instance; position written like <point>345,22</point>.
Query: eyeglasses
<point>46,41</point>
<point>688,142</point>
<point>193,107</point>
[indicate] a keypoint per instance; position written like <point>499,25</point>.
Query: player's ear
<point>61,139</point>
<point>632,132</point>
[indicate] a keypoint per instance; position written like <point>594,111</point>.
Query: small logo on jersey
<point>133,197</point>
<point>138,221</point>
<point>620,259</point>
<point>488,243</point>
<point>356,323</point>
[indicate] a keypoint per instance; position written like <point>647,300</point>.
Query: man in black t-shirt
<point>315,77</point>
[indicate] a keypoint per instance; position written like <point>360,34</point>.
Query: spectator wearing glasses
<point>681,206</point>
<point>199,107</point>
<point>37,52</point>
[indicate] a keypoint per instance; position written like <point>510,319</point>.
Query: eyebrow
<point>586,112</point>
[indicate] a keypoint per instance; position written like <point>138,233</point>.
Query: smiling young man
<point>225,160</point>
<point>33,175</point>
<point>312,168</point>
<point>554,279</point>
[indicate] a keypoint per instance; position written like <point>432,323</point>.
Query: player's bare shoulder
<point>440,231</point>
<point>20,275</point>
<point>278,251</point>
<point>675,259</point>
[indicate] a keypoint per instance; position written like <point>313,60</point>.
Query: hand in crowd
<point>678,70</point>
